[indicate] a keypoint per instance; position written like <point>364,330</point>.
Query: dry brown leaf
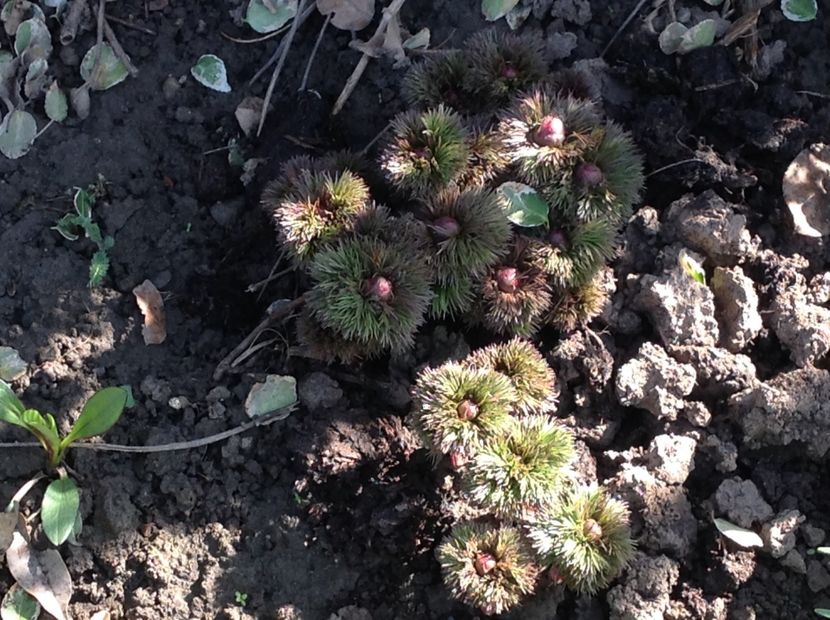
<point>348,14</point>
<point>248,112</point>
<point>42,574</point>
<point>152,307</point>
<point>388,43</point>
<point>8,523</point>
<point>807,191</point>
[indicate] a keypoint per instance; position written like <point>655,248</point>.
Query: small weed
<point>71,224</point>
<point>240,598</point>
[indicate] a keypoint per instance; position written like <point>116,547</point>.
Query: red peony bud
<point>588,176</point>
<point>550,132</point>
<point>467,410</point>
<point>592,530</point>
<point>509,71</point>
<point>484,563</point>
<point>507,279</point>
<point>379,288</point>
<point>554,575</point>
<point>558,238</point>
<point>446,227</point>
<point>488,609</point>
<point>457,459</point>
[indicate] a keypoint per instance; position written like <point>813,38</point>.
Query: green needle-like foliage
<point>488,156</point>
<point>370,292</point>
<point>577,306</point>
<point>455,407</point>
<point>314,208</point>
<point>502,65</point>
<point>513,298</point>
<point>487,566</point>
<point>571,253</point>
<point>469,229</point>
<point>545,133</point>
<point>452,296</point>
<point>439,80</point>
<point>586,537</point>
<point>531,376</point>
<point>524,468</point>
<point>605,182</point>
<point>426,151</point>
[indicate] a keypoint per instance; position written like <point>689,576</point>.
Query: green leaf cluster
<point>72,224</point>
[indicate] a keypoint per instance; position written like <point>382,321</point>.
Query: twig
<point>374,140</point>
<point>278,52</point>
<point>99,47</point>
<point>388,13</point>
<point>314,53</point>
<point>47,126</point>
<point>119,51</point>
<point>813,93</point>
<point>278,69</point>
<point>675,164</point>
<point>69,30</point>
<point>627,21</point>
<point>129,24</point>
<point>21,492</point>
<point>274,315</point>
<point>262,420</point>
<point>270,35</point>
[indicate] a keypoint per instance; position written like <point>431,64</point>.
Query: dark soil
<point>333,507</point>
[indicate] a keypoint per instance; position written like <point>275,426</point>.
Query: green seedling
<point>98,415</point>
<point>59,514</point>
<point>240,598</point>
<point>71,224</point>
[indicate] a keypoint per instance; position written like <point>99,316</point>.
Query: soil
<point>334,513</point>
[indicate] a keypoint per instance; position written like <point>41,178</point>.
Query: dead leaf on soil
<point>388,43</point>
<point>248,113</point>
<point>807,191</point>
<point>8,523</point>
<point>348,14</point>
<point>104,614</point>
<point>42,574</point>
<point>152,307</point>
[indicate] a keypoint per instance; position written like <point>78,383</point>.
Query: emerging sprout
<point>451,296</point>
<point>571,253</point>
<point>532,378</point>
<point>577,306</point>
<point>455,406</point>
<point>315,208</point>
<point>439,80</point>
<point>513,297</point>
<point>585,537</point>
<point>515,473</point>
<point>489,567</point>
<point>544,133</point>
<point>427,150</point>
<point>488,157</point>
<point>573,83</point>
<point>469,231</point>
<point>370,292</point>
<point>503,65</point>
<point>605,182</point>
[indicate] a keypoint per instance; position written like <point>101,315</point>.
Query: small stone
<point>817,576</point>
<point>812,535</point>
<point>802,327</point>
<point>737,304</point>
<point>794,561</point>
<point>672,457</point>
<point>318,391</point>
<point>779,533</point>
<point>170,87</point>
<point>742,502</point>
<point>655,382</point>
<point>681,309</point>
<point>220,392</point>
<point>178,403</point>
<point>697,413</point>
